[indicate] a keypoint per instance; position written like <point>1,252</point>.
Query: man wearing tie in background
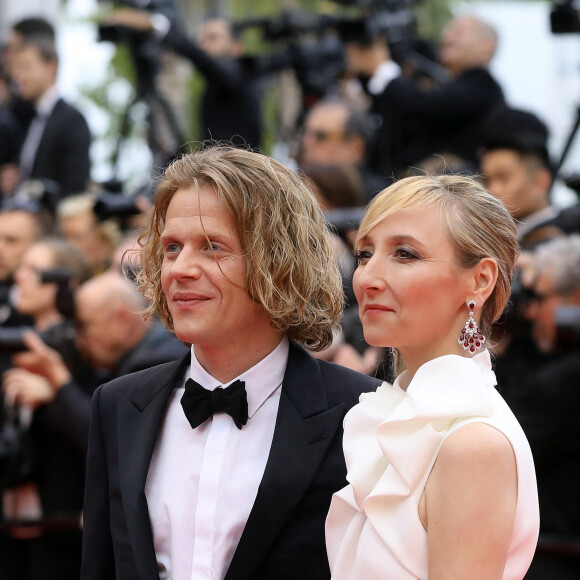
<point>56,146</point>
<point>222,465</point>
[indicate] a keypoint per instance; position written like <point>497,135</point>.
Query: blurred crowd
<point>70,317</point>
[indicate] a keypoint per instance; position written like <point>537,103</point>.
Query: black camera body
<point>16,454</point>
<point>12,338</point>
<point>564,17</point>
<point>144,47</point>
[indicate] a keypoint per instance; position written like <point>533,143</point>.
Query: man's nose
<point>186,265</point>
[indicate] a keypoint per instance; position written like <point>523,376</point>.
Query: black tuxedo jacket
<point>284,536</point>
<point>63,152</point>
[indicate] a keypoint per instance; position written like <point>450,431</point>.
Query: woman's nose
<point>369,277</point>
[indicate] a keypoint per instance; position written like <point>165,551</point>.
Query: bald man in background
<point>446,119</point>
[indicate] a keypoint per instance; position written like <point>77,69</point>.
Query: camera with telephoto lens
<point>112,202</point>
<point>313,44</point>
<point>144,47</point>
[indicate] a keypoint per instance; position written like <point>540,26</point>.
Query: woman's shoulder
<point>476,442</point>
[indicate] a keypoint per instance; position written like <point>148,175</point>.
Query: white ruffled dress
<point>391,441</point>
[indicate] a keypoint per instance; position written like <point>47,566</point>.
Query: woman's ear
<point>484,278</point>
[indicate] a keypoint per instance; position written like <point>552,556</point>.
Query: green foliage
<point>120,68</point>
<point>432,17</point>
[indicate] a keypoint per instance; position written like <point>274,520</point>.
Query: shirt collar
<point>47,102</point>
<point>261,380</point>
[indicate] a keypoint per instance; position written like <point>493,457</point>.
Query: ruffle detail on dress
<point>387,462</point>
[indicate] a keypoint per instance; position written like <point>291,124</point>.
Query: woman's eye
<point>362,256</point>
<point>406,254</point>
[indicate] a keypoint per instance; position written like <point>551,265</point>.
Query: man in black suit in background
<point>222,465</point>
<point>418,122</point>
<point>56,146</point>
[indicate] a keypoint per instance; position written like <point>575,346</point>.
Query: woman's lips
<point>370,308</point>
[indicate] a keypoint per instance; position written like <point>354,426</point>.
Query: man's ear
<point>484,279</point>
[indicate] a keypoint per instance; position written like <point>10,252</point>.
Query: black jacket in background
<point>546,402</point>
<point>230,107</point>
<point>10,137</point>
<point>417,123</point>
<point>63,152</point>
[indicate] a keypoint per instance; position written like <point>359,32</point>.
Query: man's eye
<point>171,248</point>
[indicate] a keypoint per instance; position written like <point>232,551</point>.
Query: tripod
<point>164,136</point>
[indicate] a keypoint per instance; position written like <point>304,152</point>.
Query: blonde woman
<point>442,481</point>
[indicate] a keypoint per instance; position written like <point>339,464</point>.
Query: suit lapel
<point>140,419</point>
<point>305,427</point>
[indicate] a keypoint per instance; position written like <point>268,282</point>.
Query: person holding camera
<point>114,340</point>
<point>41,508</point>
<point>418,122</point>
<point>546,402</point>
<point>231,102</point>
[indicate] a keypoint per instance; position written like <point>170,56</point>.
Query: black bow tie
<point>200,404</point>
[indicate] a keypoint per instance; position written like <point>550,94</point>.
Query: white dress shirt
<point>386,72</point>
<point>44,108</point>
<point>202,482</point>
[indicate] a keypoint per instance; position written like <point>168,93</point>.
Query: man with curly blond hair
<point>222,465</point>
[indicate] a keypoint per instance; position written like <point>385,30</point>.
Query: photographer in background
<point>418,122</point>
<point>230,105</point>
<point>115,339</point>
<point>547,405</point>
<point>40,532</point>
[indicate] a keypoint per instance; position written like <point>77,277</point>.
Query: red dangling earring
<point>471,338</point>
